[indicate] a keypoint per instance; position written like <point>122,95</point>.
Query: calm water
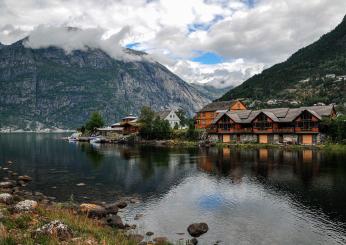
<point>245,196</point>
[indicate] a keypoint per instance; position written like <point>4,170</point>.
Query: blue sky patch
<point>208,58</point>
<point>132,45</point>
<point>204,26</point>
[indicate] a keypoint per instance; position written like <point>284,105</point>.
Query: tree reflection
<point>95,156</point>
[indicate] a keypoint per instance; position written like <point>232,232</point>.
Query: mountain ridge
<point>303,77</point>
<point>48,87</point>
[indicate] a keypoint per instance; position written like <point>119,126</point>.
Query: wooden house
<point>207,114</point>
<point>280,125</point>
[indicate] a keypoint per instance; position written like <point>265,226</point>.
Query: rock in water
<point>121,204</point>
<point>193,241</point>
<point>26,205</point>
<point>93,210</point>
<point>197,229</point>
<point>56,229</point>
<point>6,198</point>
<point>160,240</point>
<point>25,178</point>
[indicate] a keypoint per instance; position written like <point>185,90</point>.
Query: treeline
<point>335,129</point>
<point>152,127</point>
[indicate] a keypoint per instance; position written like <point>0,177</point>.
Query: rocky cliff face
<point>49,88</point>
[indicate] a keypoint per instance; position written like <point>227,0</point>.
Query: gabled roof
<point>218,105</point>
<point>277,114</point>
<point>269,114</point>
<point>163,114</point>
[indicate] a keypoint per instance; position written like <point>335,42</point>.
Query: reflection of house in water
<point>260,163</point>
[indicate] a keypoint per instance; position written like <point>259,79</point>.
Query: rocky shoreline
<point>30,217</point>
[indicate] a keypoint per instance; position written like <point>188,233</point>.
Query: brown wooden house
<point>207,114</point>
<point>280,125</point>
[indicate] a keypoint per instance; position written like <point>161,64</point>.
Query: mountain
<point>313,74</point>
<point>48,87</point>
<point>210,91</point>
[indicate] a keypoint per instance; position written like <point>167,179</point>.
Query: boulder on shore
<point>112,208</point>
<point>26,205</point>
<point>6,198</point>
<point>115,221</point>
<point>24,178</point>
<point>56,229</point>
<point>135,237</point>
<point>93,210</point>
<point>197,229</point>
<point>7,184</point>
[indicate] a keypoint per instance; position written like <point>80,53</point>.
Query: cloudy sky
<point>218,41</point>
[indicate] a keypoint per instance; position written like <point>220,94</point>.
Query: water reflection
<point>249,196</point>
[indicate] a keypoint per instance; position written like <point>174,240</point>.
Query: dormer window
<point>262,122</point>
<point>306,122</point>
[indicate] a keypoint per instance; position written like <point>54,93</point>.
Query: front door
<point>263,139</point>
<point>307,139</point>
<point>226,138</point>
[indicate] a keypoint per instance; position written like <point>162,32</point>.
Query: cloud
<point>259,33</point>
<point>218,75</point>
<point>71,39</point>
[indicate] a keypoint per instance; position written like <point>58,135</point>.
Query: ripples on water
<point>246,196</point>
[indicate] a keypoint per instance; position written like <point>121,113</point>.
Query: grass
<point>18,228</point>
<point>334,148</point>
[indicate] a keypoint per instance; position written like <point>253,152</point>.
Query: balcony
<point>231,130</point>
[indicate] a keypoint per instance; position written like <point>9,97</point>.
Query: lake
<point>246,196</point>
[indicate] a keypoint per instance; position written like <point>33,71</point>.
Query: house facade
<point>170,116</point>
<point>207,114</point>
<point>127,125</point>
<point>280,125</point>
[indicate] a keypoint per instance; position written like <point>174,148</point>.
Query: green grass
<point>18,228</point>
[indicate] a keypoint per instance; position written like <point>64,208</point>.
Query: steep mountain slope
<point>49,88</point>
<point>303,76</point>
<point>210,91</point>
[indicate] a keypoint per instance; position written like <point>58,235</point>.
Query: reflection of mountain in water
<point>312,178</point>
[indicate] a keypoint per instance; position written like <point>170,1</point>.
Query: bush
<point>335,129</point>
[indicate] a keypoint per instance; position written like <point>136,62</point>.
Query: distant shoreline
<point>44,131</point>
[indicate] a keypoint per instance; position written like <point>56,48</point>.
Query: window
<point>306,122</point>
<point>262,122</point>
<point>225,124</point>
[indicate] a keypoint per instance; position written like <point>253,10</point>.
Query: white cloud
<point>71,39</point>
<point>220,75</point>
<point>259,36</point>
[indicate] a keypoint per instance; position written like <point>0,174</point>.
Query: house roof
<point>218,105</point>
<point>163,114</point>
<point>277,114</point>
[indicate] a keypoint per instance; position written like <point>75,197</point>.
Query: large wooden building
<point>207,114</point>
<point>280,125</point>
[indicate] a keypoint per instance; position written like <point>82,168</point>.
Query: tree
<point>95,121</point>
<point>152,127</point>
<point>146,119</point>
<point>192,133</point>
<point>335,129</point>
<point>182,116</point>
